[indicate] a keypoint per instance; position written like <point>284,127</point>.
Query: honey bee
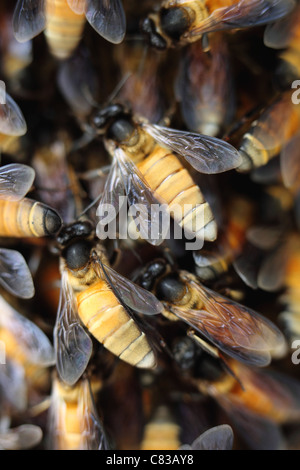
<point>73,422</point>
<point>103,300</point>
<point>21,216</point>
<point>289,272</point>
<point>146,170</point>
<point>161,433</point>
<point>64,21</point>
<point>233,328</point>
<point>285,35</point>
<point>204,87</point>
<point>26,346</point>
<point>179,22</point>
<point>270,134</point>
<point>22,437</point>
<point>12,122</point>
<point>258,403</point>
<point>211,263</point>
<point>142,88</point>
<point>216,438</point>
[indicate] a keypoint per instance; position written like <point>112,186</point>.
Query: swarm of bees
<point>154,335</point>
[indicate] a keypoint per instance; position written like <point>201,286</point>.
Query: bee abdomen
<point>27,218</point>
<point>173,184</point>
<point>111,325</point>
<point>64,28</point>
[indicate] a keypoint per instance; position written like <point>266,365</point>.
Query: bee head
<point>101,118</point>
<point>78,230</point>
<point>151,273</point>
<point>155,40</point>
<point>174,22</point>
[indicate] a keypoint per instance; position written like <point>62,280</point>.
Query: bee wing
<point>93,435</point>
<point>236,330</point>
<point>153,219</point>
<point>244,14</point>
<point>12,121</point>
<point>278,35</point>
<point>107,17</point>
<point>133,296</point>
<point>265,237</point>
<point>114,188</point>
<point>78,6</point>
<point>29,336</point>
<point>15,181</point>
<point>216,438</point>
<point>247,265</point>
<point>13,387</point>
<point>15,276</point>
<point>206,154</point>
<point>290,163</point>
<point>21,438</point>
<point>271,275</point>
<point>259,432</point>
<point>28,19</point>
<point>73,346</point>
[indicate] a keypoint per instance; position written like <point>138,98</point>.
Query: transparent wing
<point>12,121</point>
<point>259,432</point>
<point>278,35</point>
<point>238,331</point>
<point>150,213</point>
<point>244,14</point>
<point>93,435</point>
<point>13,386</point>
<point>15,276</point>
<point>28,19</point>
<point>129,293</point>
<point>265,237</point>
<point>114,189</point>
<point>272,273</point>
<point>290,163</point>
<point>73,346</point>
<point>247,265</point>
<point>206,154</point>
<point>107,17</point>
<point>15,181</point>
<point>30,337</point>
<point>78,6</point>
<point>217,438</point>
<point>21,438</point>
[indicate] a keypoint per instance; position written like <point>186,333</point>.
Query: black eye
<point>174,22</point>
<point>77,255</point>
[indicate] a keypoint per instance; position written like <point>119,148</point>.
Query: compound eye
<point>77,255</point>
<point>174,22</point>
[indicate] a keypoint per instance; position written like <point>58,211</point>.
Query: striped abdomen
<point>64,28</point>
<point>172,182</point>
<point>104,316</point>
<point>269,133</point>
<point>27,218</point>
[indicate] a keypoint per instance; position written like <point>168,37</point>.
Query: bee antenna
<point>118,88</point>
<point>90,206</point>
<point>89,97</point>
